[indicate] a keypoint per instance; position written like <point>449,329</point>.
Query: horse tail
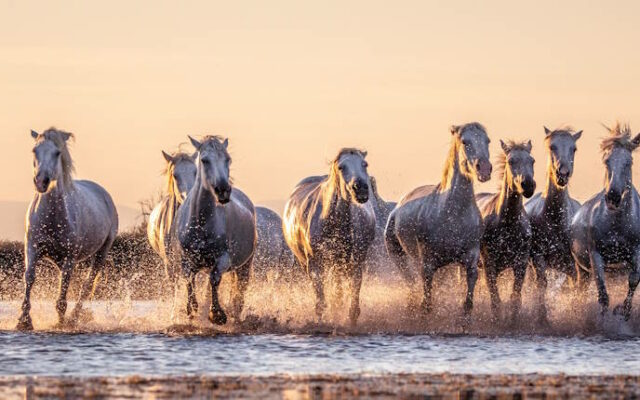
<point>396,251</point>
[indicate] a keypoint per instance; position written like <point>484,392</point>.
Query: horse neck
<point>555,198</point>
<point>627,207</point>
<point>334,207</point>
<point>509,204</point>
<point>457,186</point>
<point>203,201</point>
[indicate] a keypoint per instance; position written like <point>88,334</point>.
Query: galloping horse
<point>272,252</point>
<point>551,212</point>
<point>329,222</point>
<point>442,225</point>
<point>506,242</point>
<point>68,221</point>
<point>215,228</point>
<point>606,229</point>
<point>180,174</point>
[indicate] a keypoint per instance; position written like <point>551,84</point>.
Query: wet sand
<point>327,386</point>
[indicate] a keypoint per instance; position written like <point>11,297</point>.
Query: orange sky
<point>290,82</point>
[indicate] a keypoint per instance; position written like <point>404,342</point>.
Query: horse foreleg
<point>492,283</point>
<point>472,277</point>
<point>316,275</point>
<point>217,315</point>
<point>192,302</point>
<point>356,284</point>
<point>598,266</point>
<point>65,278</point>
<point>428,271</point>
<point>88,287</point>
<point>519,273</point>
<point>540,266</point>
<point>24,322</point>
<point>243,275</point>
<point>634,279</point>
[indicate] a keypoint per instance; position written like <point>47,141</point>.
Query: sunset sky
<point>291,82</point>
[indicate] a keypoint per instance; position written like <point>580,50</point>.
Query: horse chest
<point>615,247</point>
<point>507,241</point>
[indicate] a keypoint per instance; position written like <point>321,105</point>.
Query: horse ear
<point>66,136</point>
<point>528,145</point>
<point>547,131</point>
<point>226,143</point>
<point>454,129</point>
<point>577,136</point>
<point>636,141</point>
<point>504,146</point>
<point>34,134</point>
<point>195,143</point>
<point>167,156</point>
<point>364,153</point>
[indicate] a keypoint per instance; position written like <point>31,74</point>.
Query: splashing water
<point>388,306</point>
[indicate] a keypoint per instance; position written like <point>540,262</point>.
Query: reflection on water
<point>119,354</point>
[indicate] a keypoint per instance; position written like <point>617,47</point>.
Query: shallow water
<point>119,354</point>
<point>278,333</point>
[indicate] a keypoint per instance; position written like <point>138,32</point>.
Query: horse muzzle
<point>42,184</point>
<point>483,170</point>
<point>223,194</point>
<point>528,188</point>
<point>361,192</point>
<point>613,198</point>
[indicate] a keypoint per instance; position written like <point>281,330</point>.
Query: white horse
<point>180,176</point>
<point>68,221</point>
<point>215,228</point>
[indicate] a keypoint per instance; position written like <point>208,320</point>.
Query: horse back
<point>417,193</point>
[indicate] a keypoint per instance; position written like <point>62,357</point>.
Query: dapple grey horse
<point>551,212</point>
<point>329,223</point>
<point>68,221</point>
<point>442,225</point>
<point>506,242</point>
<point>272,252</point>
<point>606,229</point>
<point>180,176</point>
<point>215,228</point>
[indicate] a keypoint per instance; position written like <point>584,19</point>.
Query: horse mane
<point>619,135</point>
<point>561,131</point>
<point>177,156</point>
<point>59,139</point>
<point>501,160</point>
<point>332,183</point>
<point>452,157</point>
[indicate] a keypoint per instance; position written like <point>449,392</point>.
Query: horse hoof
<point>218,317</point>
<point>24,325</point>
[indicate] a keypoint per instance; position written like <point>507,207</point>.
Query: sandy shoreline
<point>326,386</point>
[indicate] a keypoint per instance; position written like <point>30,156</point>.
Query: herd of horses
<point>333,222</point>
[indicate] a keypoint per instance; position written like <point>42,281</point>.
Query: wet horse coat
<point>329,223</point>
<point>442,225</point>
<point>506,242</point>
<point>215,228</point>
<point>606,229</point>
<point>68,221</point>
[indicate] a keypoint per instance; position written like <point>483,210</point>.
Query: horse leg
<point>492,282</point>
<point>598,266</point>
<point>472,277</point>
<point>88,287</point>
<point>396,252</point>
<point>217,315</point>
<point>356,284</point>
<point>316,275</point>
<point>65,278</point>
<point>428,271</point>
<point>192,302</point>
<point>519,273</point>
<point>243,275</point>
<point>634,279</point>
<point>24,322</point>
<point>540,265</point>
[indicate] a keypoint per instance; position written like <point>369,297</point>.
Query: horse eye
<point>56,154</point>
<point>205,161</point>
<point>365,164</point>
<point>552,148</point>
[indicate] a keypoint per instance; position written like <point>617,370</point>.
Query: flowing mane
<point>59,139</point>
<point>333,180</point>
<point>619,135</point>
<point>452,159</point>
<point>178,157</point>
